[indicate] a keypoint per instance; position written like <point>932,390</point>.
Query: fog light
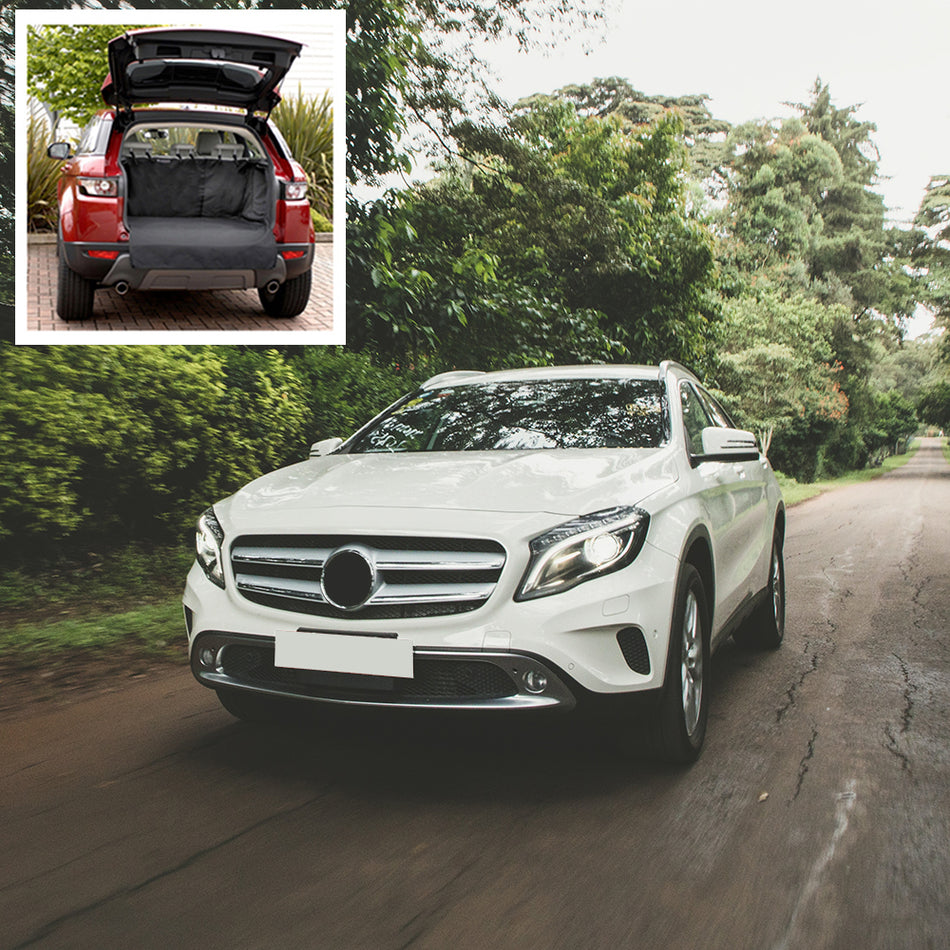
<point>207,656</point>
<point>534,681</point>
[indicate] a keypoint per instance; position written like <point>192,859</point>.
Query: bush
<point>131,443</point>
<point>110,445</point>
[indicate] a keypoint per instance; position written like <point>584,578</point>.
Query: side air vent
<point>634,649</point>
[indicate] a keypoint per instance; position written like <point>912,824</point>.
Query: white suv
<point>527,539</point>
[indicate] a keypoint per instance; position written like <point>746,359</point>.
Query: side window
<point>695,418</point>
<point>90,138</point>
<point>719,415</point>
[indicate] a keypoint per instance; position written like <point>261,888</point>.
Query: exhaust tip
<point>273,286</point>
<point>122,288</point>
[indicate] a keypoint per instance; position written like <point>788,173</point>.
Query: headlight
<point>209,538</point>
<point>295,190</point>
<point>584,547</point>
<point>99,187</point>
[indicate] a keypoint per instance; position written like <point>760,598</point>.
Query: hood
<point>556,483</point>
<point>214,67</point>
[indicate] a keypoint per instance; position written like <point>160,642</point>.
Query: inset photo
<point>180,177</point>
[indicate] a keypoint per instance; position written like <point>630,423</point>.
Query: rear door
<point>214,67</point>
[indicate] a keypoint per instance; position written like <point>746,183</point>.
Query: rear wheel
<point>74,293</point>
<point>679,724</point>
<point>290,299</point>
<point>765,628</point>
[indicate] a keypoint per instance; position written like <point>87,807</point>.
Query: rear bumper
<point>85,259</point>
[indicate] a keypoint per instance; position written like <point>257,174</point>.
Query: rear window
<point>183,140</point>
<point>545,414</point>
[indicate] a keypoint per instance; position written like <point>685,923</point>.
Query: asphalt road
<point>146,817</point>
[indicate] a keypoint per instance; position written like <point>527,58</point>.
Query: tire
<point>678,728</point>
<point>290,299</point>
<point>765,628</point>
<point>74,293</point>
<point>251,707</point>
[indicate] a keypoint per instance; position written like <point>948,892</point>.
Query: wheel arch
<point>780,524</point>
<point>698,551</point>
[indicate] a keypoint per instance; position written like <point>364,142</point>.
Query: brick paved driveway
<point>171,309</point>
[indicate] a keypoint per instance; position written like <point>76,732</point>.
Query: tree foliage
<point>703,134</point>
<point>554,236</point>
<point>933,405</point>
<point>933,253</point>
<point>66,65</point>
<point>778,373</point>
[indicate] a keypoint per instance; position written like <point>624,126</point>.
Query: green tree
<point>933,406</point>
<point>778,373</point>
<point>853,246</point>
<point>556,236</point>
<point>933,253</point>
<point>781,173</point>
<point>703,134</point>
<point>66,66</point>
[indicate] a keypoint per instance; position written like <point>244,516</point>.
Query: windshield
<point>539,414</point>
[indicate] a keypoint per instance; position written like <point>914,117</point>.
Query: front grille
<point>434,679</point>
<point>633,645</point>
<point>412,577</point>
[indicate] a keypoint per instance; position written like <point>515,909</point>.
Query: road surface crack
<point>52,926</point>
<point>803,765</point>
<point>791,693</point>
<point>421,920</point>
<point>893,744</point>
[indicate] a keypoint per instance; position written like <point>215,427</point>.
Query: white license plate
<point>341,653</point>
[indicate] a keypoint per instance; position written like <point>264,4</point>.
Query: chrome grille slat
<point>430,594</point>
<point>427,560</point>
<point>416,576</point>
<point>282,586</point>
<point>307,557</point>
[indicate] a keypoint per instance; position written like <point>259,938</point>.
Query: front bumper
<point>606,639</point>
<point>443,679</point>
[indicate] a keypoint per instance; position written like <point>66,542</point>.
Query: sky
<point>891,58</point>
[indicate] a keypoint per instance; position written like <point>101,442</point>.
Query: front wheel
<point>290,299</point>
<point>679,723</point>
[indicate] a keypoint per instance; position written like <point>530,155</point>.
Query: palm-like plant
<point>42,175</point>
<point>306,122</point>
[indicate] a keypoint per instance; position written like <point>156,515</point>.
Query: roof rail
<point>456,375</point>
<point>667,365</point>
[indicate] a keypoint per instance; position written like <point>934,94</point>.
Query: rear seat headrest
<point>206,141</point>
<point>228,153</point>
<point>138,149</point>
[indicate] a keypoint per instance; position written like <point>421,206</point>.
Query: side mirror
<point>324,447</point>
<point>60,151</point>
<point>729,444</point>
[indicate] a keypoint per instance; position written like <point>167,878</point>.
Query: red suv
<point>184,184</point>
